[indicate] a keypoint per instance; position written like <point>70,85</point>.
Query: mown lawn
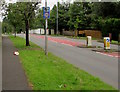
<point>81,38</point>
<point>112,42</point>
<point>53,73</point>
<point>115,42</point>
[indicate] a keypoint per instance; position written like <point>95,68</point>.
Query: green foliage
<point>76,15</point>
<point>63,17</point>
<point>7,28</point>
<point>52,20</point>
<point>39,22</point>
<point>102,16</point>
<point>14,18</point>
<point>21,16</point>
<point>105,9</point>
<point>63,14</point>
<point>111,25</point>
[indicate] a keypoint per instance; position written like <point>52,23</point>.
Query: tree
<point>64,17</point>
<point>14,18</point>
<point>107,18</point>
<point>77,13</point>
<point>52,20</point>
<point>105,9</point>
<point>41,19</point>
<point>6,27</point>
<point>27,12</point>
<point>39,22</point>
<point>27,9</point>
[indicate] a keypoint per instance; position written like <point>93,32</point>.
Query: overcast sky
<point>50,3</point>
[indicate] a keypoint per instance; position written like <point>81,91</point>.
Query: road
<point>102,66</point>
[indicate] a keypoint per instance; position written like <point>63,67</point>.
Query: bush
<point>7,27</point>
<point>111,25</point>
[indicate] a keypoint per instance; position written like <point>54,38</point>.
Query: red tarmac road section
<point>71,43</point>
<point>58,40</point>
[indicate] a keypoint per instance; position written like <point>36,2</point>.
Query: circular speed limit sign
<point>46,15</point>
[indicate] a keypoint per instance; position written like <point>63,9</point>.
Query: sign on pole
<point>46,12</point>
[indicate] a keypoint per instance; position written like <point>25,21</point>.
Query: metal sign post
<point>46,43</point>
<point>46,15</point>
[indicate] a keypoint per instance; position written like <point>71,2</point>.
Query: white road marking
<point>106,54</point>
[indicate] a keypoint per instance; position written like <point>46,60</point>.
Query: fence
<point>93,33</point>
<point>69,33</point>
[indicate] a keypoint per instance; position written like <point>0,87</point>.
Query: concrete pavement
<point>0,64</point>
<point>104,67</point>
<point>14,77</point>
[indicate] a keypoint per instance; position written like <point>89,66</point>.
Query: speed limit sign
<point>46,12</point>
<point>46,15</point>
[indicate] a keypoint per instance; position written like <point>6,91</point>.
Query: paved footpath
<point>13,74</point>
<point>0,65</point>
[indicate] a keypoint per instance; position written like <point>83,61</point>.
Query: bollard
<point>106,43</point>
<point>89,41</point>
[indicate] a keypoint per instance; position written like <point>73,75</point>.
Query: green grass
<point>53,73</point>
<point>81,38</point>
<point>115,42</point>
<point>112,42</point>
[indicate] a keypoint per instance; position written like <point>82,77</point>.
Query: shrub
<point>111,25</point>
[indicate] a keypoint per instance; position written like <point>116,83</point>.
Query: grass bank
<point>112,42</point>
<point>53,73</point>
<point>81,38</point>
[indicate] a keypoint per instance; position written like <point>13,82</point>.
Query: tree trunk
<point>118,38</point>
<point>27,33</point>
<point>15,31</point>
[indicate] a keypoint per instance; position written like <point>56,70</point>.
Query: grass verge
<point>81,38</point>
<point>115,42</point>
<point>53,73</point>
<point>112,42</point>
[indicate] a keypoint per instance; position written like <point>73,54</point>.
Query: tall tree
<point>64,16</point>
<point>52,20</point>
<point>76,12</point>
<point>105,9</point>
<point>27,9</point>
<point>14,18</point>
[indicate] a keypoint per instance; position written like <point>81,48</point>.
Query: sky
<point>50,3</point>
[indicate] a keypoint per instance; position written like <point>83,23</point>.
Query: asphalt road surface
<point>102,66</point>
